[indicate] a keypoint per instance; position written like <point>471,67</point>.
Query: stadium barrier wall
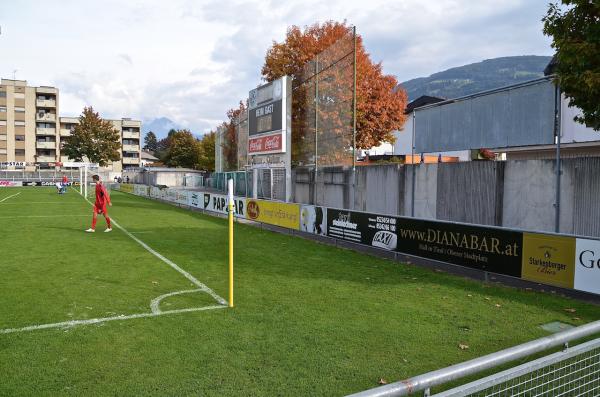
<point>564,261</point>
<point>4,183</point>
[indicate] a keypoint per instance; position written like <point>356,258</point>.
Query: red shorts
<point>100,209</point>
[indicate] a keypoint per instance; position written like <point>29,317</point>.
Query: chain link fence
<point>323,107</point>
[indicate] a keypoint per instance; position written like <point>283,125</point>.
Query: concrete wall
<point>517,194</point>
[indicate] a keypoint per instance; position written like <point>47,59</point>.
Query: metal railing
<point>575,371</point>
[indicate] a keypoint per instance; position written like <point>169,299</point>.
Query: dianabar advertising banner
<point>549,259</point>
<point>587,265</point>
<point>490,249</point>
<point>274,213</point>
<point>313,219</point>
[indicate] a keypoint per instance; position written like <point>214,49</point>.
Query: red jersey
<point>65,179</point>
<point>102,197</point>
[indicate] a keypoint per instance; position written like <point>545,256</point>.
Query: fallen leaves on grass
<point>382,381</point>
<point>575,319</point>
<point>498,305</point>
<point>462,346</point>
<point>570,310</point>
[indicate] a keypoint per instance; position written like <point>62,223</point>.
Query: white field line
<point>45,202</point>
<point>42,216</point>
<point>154,305</point>
<point>6,198</point>
<point>169,262</point>
<point>72,323</point>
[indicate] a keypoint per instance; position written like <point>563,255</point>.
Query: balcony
<point>131,123</point>
<point>45,131</point>
<point>131,135</point>
<point>65,132</point>
<point>131,148</point>
<point>45,145</point>
<point>45,103</point>
<point>46,90</point>
<point>45,117</point>
<point>131,160</point>
<point>45,159</point>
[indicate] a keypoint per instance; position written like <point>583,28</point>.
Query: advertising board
<point>274,213</point>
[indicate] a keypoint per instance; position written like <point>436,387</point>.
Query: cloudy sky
<point>191,60</point>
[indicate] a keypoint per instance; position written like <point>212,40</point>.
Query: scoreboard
<point>267,118</point>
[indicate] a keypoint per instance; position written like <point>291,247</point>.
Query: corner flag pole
<point>230,214</point>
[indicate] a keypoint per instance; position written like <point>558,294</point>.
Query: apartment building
<point>130,140</point>
<point>31,129</point>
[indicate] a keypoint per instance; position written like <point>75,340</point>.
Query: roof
<point>169,169</point>
<point>148,156</point>
<point>551,67</point>
<point>422,101</point>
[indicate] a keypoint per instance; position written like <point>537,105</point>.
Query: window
<point>45,125</point>
<point>19,152</point>
<point>19,123</point>
<point>2,151</point>
<point>2,94</point>
<point>2,108</point>
<point>19,109</point>
<point>19,138</point>
<point>2,137</point>
<point>2,122</point>
<point>19,95</point>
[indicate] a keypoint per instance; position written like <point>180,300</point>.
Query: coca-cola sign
<point>266,144</point>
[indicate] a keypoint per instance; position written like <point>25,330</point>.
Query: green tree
<point>575,32</point>
<point>184,150</point>
<point>93,139</point>
<point>150,142</point>
<point>206,160</point>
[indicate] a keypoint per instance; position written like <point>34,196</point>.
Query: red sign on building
<point>266,144</point>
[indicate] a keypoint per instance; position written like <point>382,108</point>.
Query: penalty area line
<point>187,275</point>
<point>6,198</point>
<point>72,323</point>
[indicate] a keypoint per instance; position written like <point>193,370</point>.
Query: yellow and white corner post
<point>230,214</point>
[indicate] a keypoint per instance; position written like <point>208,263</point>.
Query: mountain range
<point>476,77</point>
<point>160,126</point>
<point>452,83</point>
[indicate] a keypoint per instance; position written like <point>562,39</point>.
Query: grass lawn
<point>310,319</point>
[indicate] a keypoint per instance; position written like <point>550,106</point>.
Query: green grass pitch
<point>310,319</point>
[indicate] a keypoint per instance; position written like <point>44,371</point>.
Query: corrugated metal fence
<point>519,194</point>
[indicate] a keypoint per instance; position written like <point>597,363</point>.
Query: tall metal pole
<point>557,133</point>
<point>316,127</point>
<point>412,161</point>
<point>353,191</point>
<point>354,105</point>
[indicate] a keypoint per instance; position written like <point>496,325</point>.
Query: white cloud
<point>192,60</point>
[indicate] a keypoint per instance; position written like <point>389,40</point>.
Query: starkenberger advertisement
<point>491,249</point>
<point>549,259</point>
<point>274,213</point>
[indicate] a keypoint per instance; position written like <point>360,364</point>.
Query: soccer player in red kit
<point>102,198</point>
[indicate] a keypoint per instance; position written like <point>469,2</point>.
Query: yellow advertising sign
<point>274,213</point>
<point>126,187</point>
<point>549,259</point>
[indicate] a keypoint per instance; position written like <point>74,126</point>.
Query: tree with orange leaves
<point>230,139</point>
<point>380,103</point>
